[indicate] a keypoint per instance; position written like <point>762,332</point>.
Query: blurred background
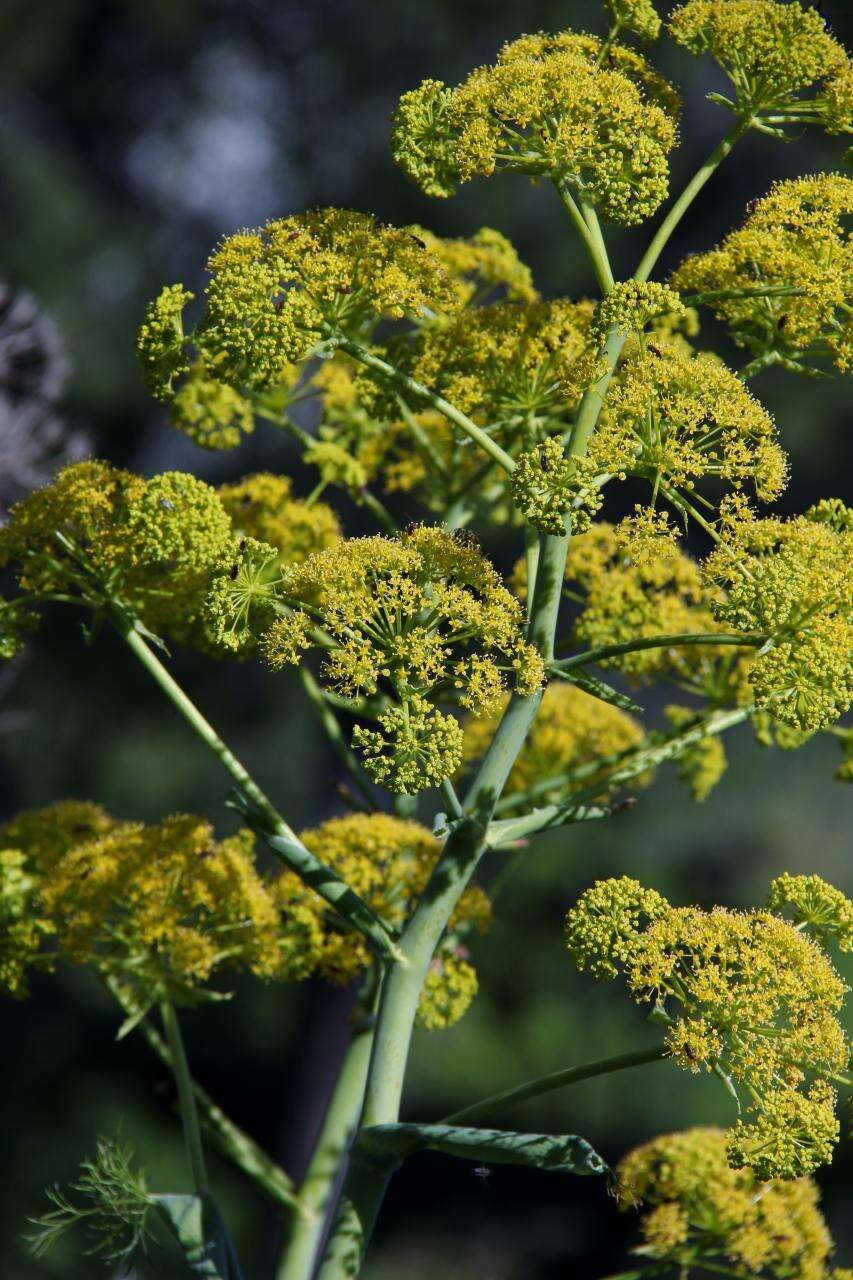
<point>134,134</point>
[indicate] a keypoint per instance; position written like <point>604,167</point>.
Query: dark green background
<point>134,134</point>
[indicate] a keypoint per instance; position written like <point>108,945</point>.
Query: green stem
<point>605,651</point>
<point>593,398</point>
<point>330,1150</point>
<point>369,1174</point>
<point>186,1097</point>
<point>590,236</point>
<point>480,1111</point>
<point>680,206</point>
<point>203,728</point>
<point>329,721</point>
<point>648,757</point>
<point>417,389</point>
<point>263,817</point>
<point>232,1141</point>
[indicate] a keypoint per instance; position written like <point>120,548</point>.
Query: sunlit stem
<point>422,393</point>
<point>186,1097</point>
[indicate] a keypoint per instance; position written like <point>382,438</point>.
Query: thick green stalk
<point>479,1111</point>
<point>339,1124</point>
<point>186,1097</point>
<point>369,1174</point>
<point>444,407</point>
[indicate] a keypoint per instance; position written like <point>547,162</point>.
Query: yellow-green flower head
<point>604,928</point>
<point>242,596</point>
<point>702,765</point>
<point>795,239</point>
<point>177,520</point>
<point>674,420</point>
<point>424,617</point>
<point>571,731</point>
<point>262,506</point>
<point>545,108</point>
<point>163,907</point>
<point>46,835</point>
<point>450,986</point>
<point>792,1134</point>
<point>543,485</point>
<point>792,580</point>
<point>86,503</point>
<point>160,344</point>
<point>210,412</point>
<point>22,928</point>
<point>481,264</point>
<point>743,993</point>
<point>627,596</point>
<point>695,1205</point>
<point>773,53</point>
<point>149,543</point>
<point>816,905</point>
<point>639,16</point>
<point>506,361</point>
<point>387,861</point>
<point>337,465</point>
<point>415,747</point>
<point>631,306</point>
<point>274,293</point>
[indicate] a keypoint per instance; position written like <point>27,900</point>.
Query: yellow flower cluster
<point>792,580</point>
<point>213,414</point>
<point>639,16</point>
<point>696,1208</point>
<point>631,306</point>
<point>543,487</point>
<point>675,419</point>
<point>546,109</point>
<point>101,533</point>
<point>262,506</point>
<point>504,363</point>
<point>387,861</point>
<point>160,342</point>
<point>572,731</point>
<point>273,295</point>
<point>480,265</point>
<point>773,53</point>
<point>783,284</point>
<point>159,908</point>
<point>164,909</point>
<point>626,595</point>
<point>23,929</point>
<point>756,1001</point>
<point>816,905</point>
<point>422,616</point>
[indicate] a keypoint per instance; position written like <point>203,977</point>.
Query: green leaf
<point>559,1153</point>
<point>597,688</point>
<point>196,1225</point>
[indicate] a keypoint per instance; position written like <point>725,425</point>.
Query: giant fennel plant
<point>472,713</point>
